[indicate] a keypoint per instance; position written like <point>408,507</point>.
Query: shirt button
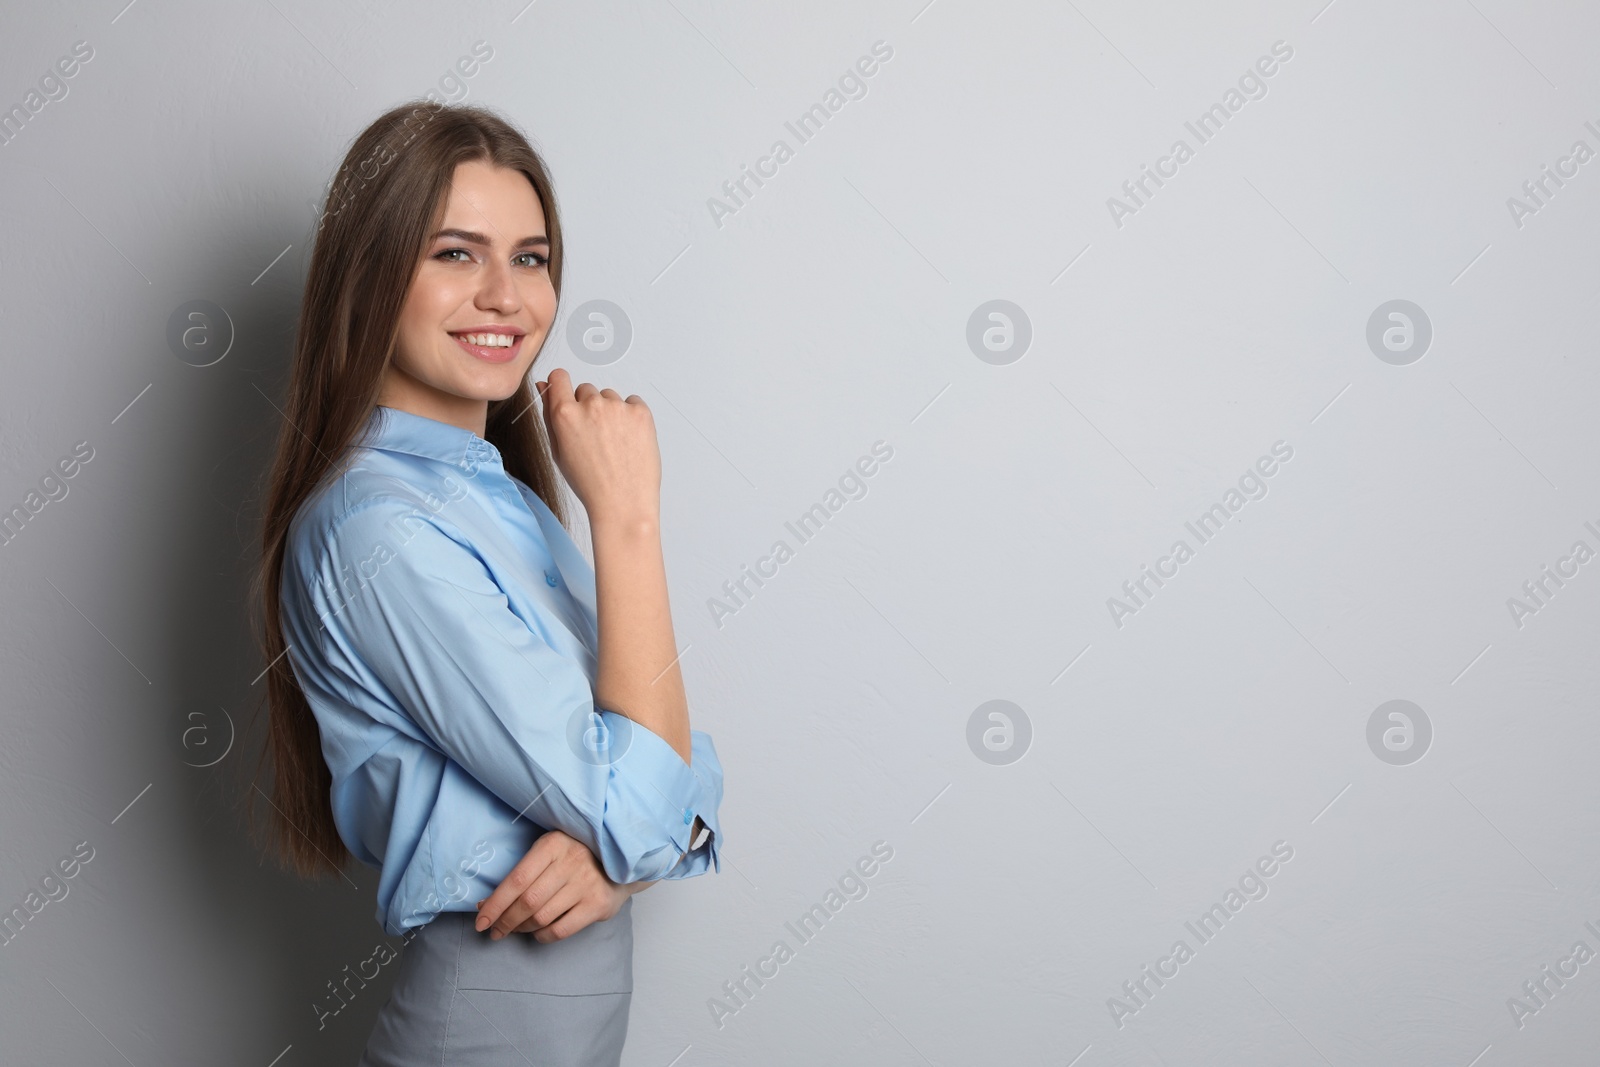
<point>550,579</point>
<point>688,816</point>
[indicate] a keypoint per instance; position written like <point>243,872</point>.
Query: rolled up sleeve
<point>656,780</point>
<point>430,632</point>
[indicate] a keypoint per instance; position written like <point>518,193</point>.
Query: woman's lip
<point>492,355</point>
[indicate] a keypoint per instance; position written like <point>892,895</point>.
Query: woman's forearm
<point>637,674</point>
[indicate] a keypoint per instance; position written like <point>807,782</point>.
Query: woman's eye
<point>526,259</point>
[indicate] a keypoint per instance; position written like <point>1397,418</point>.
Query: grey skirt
<point>461,1000</point>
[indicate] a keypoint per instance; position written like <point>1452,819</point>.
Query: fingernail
<point>483,921</point>
<point>495,936</point>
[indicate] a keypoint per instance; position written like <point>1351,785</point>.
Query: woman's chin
<point>490,388</point>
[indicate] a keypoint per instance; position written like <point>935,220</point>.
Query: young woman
<point>456,697</point>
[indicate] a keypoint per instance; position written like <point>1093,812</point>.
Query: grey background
<point>830,312</point>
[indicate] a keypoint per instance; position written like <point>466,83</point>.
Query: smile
<point>492,346</point>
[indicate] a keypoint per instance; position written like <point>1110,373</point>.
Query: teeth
<point>489,340</point>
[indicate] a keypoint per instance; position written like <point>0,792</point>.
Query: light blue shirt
<point>442,624</point>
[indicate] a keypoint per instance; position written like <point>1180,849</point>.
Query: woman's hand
<point>605,447</point>
<point>554,891</point>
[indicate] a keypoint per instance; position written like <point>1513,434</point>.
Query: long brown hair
<point>381,205</point>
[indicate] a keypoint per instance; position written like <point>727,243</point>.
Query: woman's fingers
<point>557,889</point>
<point>603,444</point>
<point>550,884</point>
<point>556,390</point>
<point>527,871</point>
<point>555,396</point>
<point>557,872</point>
<point>574,919</point>
<point>567,897</point>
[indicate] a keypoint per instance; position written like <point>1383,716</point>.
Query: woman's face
<point>484,271</point>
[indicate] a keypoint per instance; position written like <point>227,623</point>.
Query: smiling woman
<point>447,675</point>
<point>478,291</point>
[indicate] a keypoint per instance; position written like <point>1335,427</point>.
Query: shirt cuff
<point>651,778</point>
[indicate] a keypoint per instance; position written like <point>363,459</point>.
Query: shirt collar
<point>394,430</point>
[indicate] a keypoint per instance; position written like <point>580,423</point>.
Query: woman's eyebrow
<point>473,237</point>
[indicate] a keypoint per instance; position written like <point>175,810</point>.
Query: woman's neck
<point>406,393</point>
